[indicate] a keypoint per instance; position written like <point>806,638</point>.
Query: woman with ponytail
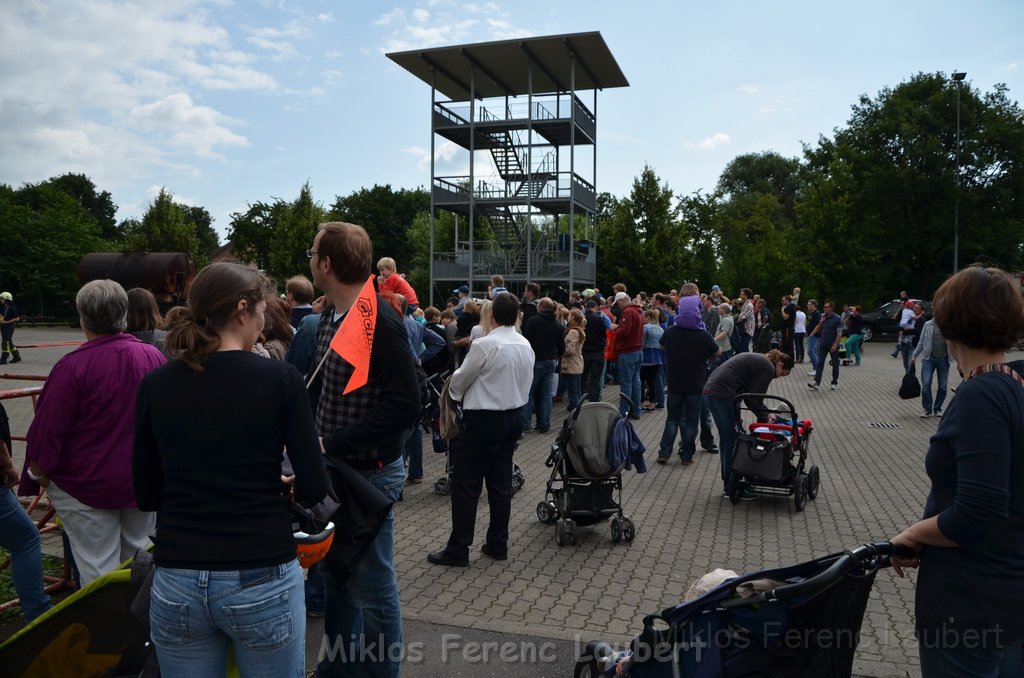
<point>211,429</point>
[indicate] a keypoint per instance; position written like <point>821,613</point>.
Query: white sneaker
<point>811,373</point>
<point>833,387</point>
<point>926,415</point>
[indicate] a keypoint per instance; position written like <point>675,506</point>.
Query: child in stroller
<point>798,621</point>
<point>770,457</point>
<point>585,486</point>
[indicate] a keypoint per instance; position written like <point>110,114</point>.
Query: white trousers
<point>101,539</point>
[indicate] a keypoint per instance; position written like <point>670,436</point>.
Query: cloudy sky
<point>227,102</point>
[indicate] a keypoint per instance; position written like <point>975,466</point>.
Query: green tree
<point>275,236</point>
<point>98,204</point>
<point>46,233</point>
<point>164,227</point>
<point>642,242</point>
<point>201,220</point>
<point>888,181</point>
<point>387,215</point>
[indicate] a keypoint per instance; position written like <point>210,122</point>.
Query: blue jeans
<point>540,394</point>
<point>725,419</point>
<point>683,409</point>
<point>628,374</point>
<point>938,662</point>
<point>812,351</point>
<point>652,376</point>
<point>931,366</point>
<point>572,386</point>
<point>744,346</point>
<point>18,534</point>
<point>364,611</point>
<point>905,350</point>
<point>825,353</point>
<point>196,616</point>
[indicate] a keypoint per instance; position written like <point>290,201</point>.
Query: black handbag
<point>911,387</point>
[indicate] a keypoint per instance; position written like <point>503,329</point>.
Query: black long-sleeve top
<point>545,336</point>
<point>207,457</point>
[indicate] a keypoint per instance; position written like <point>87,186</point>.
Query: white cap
<point>619,297</point>
<point>7,296</point>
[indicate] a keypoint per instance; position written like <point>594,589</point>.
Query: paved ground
<point>873,485</point>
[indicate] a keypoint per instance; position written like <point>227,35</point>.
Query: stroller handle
<point>839,569</point>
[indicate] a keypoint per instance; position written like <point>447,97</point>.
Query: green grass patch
<point>53,567</point>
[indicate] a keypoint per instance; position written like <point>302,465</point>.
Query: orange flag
<point>354,339</point>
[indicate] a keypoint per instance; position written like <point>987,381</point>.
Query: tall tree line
<point>863,213</point>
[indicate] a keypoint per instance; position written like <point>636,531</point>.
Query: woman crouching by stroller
<point>210,431</point>
<point>970,543</point>
<point>744,373</point>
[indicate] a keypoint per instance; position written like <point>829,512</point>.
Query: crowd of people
<point>176,460</point>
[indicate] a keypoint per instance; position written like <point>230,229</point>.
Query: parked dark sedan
<point>882,321</point>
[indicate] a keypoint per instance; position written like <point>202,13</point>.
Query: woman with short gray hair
<point>80,441</point>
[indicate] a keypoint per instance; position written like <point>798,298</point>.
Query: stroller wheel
<point>800,491</point>
<point>565,532</point>
<point>442,487</point>
<point>813,482</point>
<point>628,530</point>
<point>547,513</point>
<point>733,487</point>
<point>589,663</point>
<point>616,530</point>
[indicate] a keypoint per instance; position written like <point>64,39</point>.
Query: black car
<point>882,321</point>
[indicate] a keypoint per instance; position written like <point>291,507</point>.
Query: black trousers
<point>483,453</point>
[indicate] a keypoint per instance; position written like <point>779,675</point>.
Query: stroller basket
<point>807,626</point>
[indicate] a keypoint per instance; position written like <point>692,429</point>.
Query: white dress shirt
<point>497,372</point>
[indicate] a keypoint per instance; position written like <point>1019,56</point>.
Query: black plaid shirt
<point>367,424</point>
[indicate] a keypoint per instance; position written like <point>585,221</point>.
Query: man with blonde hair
<point>298,293</point>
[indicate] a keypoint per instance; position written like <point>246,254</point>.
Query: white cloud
<point>196,128</point>
<point>394,16</point>
<point>711,142</point>
<point>747,89</point>
<point>444,154</point>
<point>111,89</point>
<point>325,18</point>
<point>1010,66</point>
<point>448,25</point>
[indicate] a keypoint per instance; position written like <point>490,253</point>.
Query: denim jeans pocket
<point>168,620</point>
<point>262,625</point>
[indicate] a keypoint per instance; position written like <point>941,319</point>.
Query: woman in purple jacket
<point>80,441</point>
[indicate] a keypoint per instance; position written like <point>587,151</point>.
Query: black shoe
<point>634,417</point>
<point>442,558</point>
<point>711,450</point>
<point>488,551</point>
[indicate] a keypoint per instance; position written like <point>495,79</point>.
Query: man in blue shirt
<point>829,329</point>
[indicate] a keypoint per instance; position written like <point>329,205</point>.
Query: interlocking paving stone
<point>873,485</point>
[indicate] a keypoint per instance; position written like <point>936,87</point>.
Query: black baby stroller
<point>432,422</point>
<point>585,487</point>
<point>802,620</point>
<point>770,457</point>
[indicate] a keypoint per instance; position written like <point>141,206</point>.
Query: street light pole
<point>959,79</point>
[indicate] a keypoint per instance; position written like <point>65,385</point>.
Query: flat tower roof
<point>502,66</point>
